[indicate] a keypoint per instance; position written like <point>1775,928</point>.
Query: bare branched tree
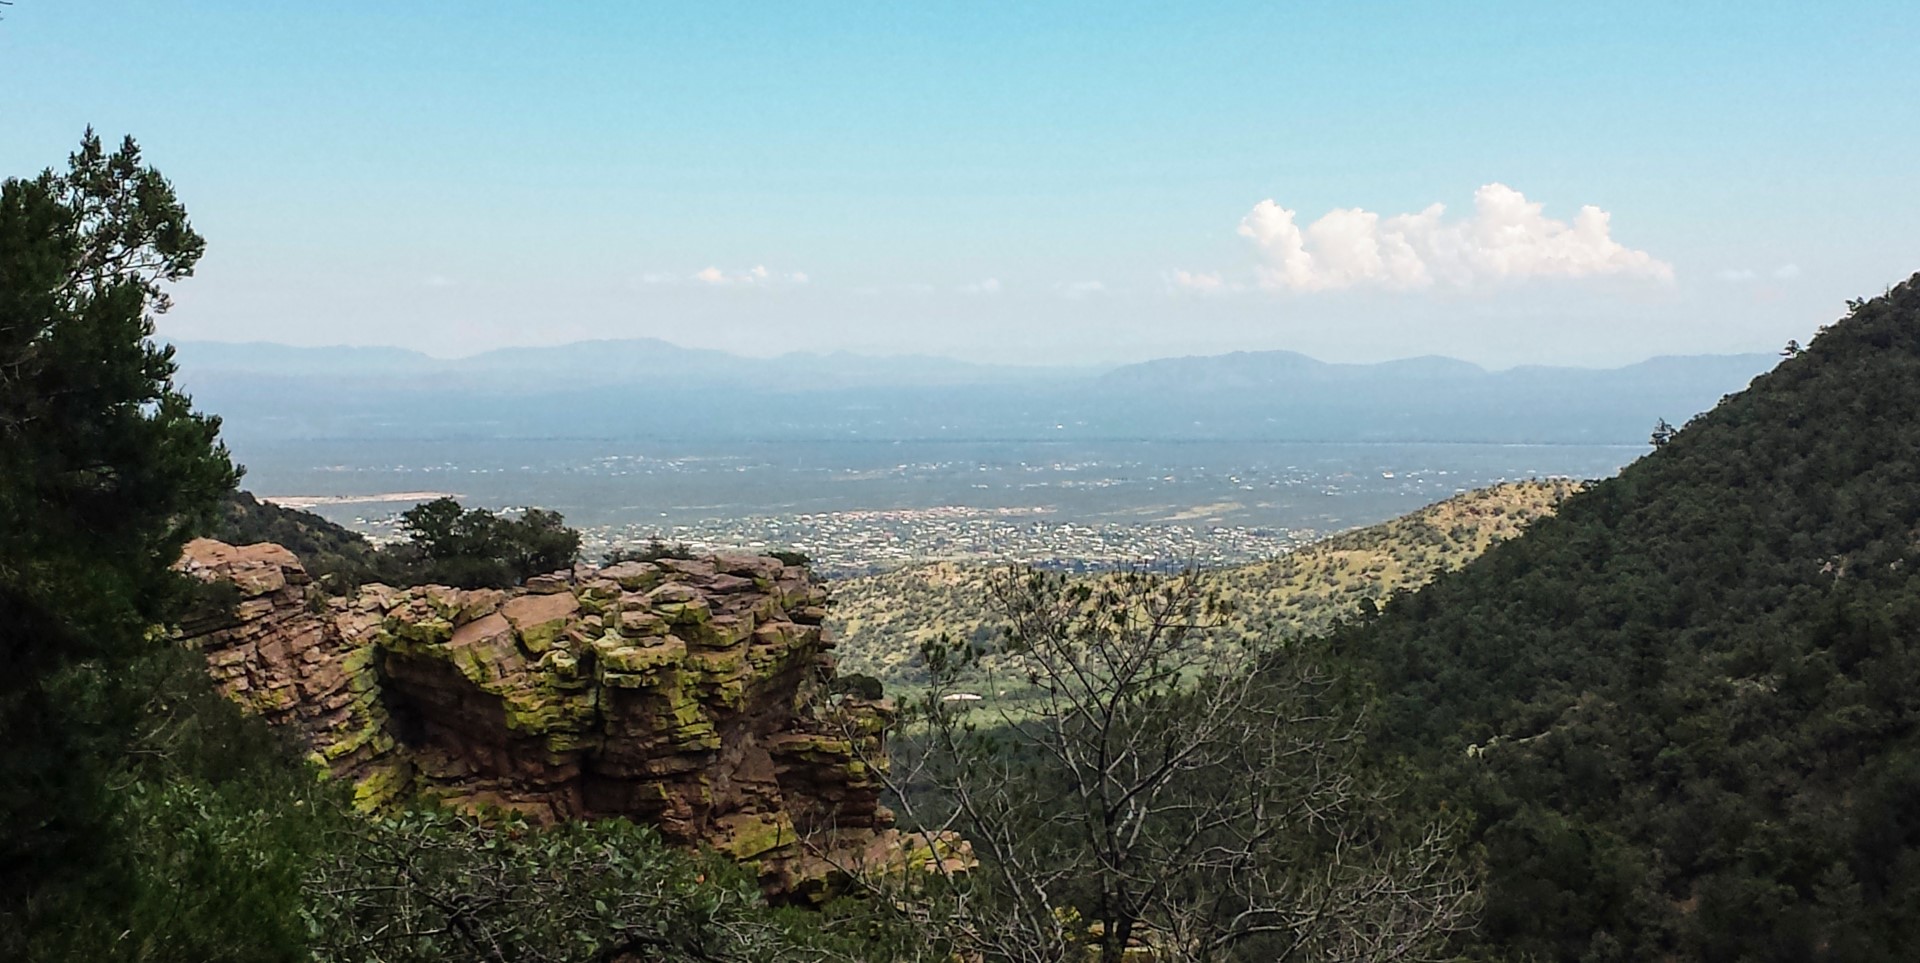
<point>1141,795</point>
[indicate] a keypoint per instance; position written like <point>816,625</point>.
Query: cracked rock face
<point>685,694</point>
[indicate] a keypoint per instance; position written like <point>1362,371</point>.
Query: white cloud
<point>1075,290</point>
<point>758,274</point>
<point>658,277</point>
<point>1786,272</point>
<point>987,286</point>
<point>437,281</point>
<point>1202,282</point>
<point>1736,275</point>
<point>1505,238</point>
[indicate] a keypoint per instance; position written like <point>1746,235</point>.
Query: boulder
<point>540,619</point>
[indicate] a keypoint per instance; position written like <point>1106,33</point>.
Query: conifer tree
<point>105,470</point>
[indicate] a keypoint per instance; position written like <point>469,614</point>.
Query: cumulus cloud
<point>758,274</point>
<point>1786,272</point>
<point>1075,290</point>
<point>1202,282</point>
<point>1506,237</point>
<point>987,286</point>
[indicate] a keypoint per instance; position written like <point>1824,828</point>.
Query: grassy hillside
<point>882,620</point>
<point>1683,715</point>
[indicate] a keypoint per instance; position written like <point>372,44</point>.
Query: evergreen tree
<point>473,547</point>
<point>105,469</point>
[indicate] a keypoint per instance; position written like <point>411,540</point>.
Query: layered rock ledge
<point>686,694</point>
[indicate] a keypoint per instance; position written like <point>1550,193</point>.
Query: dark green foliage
<point>653,551</point>
<point>792,558</point>
<point>1683,712</point>
<point>475,548</point>
<point>199,826</point>
<point>447,544</point>
<point>857,685</point>
<point>538,541</point>
<point>511,892</point>
<point>104,471</point>
<point>337,557</point>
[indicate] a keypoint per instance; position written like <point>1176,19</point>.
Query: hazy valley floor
<point>864,506</point>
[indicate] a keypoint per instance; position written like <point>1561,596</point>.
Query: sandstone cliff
<point>686,694</point>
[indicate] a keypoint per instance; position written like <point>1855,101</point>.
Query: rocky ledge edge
<point>685,694</point>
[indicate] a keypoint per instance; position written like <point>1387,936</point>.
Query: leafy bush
<point>508,891</point>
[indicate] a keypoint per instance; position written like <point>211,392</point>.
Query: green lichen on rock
<point>815,747</point>
<point>540,620</point>
<point>368,732</point>
<point>383,785</point>
<point>669,692</point>
<point>625,665</point>
<point>747,836</point>
<point>925,853</point>
<point>427,631</point>
<point>445,603</point>
<point>268,701</point>
<point>547,710</point>
<point>599,597</point>
<point>564,669</point>
<point>685,613</point>
<point>692,727</point>
<point>719,665</point>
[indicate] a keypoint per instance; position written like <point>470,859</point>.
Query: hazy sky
<point>1010,182</point>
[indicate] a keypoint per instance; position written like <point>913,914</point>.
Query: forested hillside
<point>331,552</point>
<point>883,620</point>
<point>1681,714</point>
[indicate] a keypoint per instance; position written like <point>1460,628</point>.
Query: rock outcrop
<point>686,694</point>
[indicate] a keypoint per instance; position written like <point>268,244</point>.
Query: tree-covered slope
<point>882,620</point>
<point>328,550</point>
<point>1681,714</point>
<point>1306,592</point>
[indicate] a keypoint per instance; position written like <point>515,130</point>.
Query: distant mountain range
<point>649,360</point>
<point>647,388</point>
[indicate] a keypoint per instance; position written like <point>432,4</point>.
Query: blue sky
<point>1007,182</point>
